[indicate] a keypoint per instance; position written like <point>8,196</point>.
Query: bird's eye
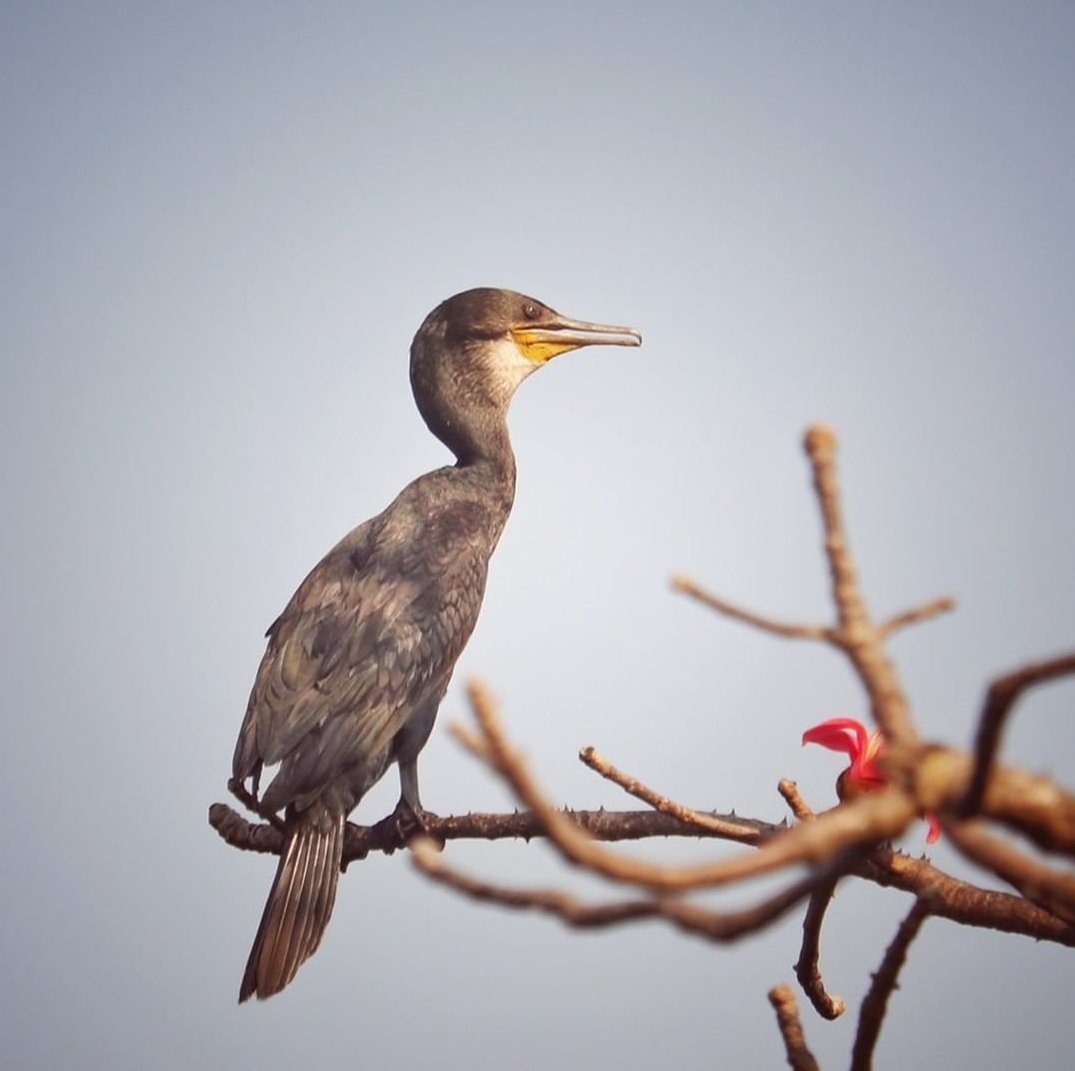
<point>531,311</point>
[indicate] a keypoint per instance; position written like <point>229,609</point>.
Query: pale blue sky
<point>223,224</point>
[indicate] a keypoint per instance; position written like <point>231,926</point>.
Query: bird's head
<point>474,350</point>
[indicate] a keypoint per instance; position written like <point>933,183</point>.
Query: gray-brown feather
<point>371,633</point>
<point>358,662</point>
<point>354,670</point>
<point>299,905</point>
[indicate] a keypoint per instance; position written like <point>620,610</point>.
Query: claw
<point>404,823</point>
<point>251,802</point>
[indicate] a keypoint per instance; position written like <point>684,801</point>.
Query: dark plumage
<point>358,662</point>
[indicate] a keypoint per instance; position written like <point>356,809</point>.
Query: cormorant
<point>358,662</point>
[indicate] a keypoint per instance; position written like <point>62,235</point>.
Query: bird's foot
<point>251,802</point>
<point>404,823</point>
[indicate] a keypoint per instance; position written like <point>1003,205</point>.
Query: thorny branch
<point>960,901</point>
<point>609,826</point>
<point>733,830</point>
<point>875,1002</point>
<point>967,791</point>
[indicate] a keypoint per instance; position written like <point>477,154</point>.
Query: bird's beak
<point>542,341</point>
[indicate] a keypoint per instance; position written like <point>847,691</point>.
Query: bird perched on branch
<point>359,660</point>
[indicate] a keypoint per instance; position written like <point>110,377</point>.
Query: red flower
<point>850,736</point>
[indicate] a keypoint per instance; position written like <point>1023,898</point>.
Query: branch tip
<point>799,1056</point>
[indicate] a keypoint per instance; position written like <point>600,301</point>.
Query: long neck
<point>492,468</point>
<point>483,445</point>
<point>463,395</point>
<point>473,426</point>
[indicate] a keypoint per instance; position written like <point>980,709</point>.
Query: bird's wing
<point>327,655</point>
<point>348,661</point>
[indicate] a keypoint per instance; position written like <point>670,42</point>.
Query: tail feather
<point>299,905</point>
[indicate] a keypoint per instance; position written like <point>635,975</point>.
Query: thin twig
<point>821,445</point>
<point>726,926</point>
<point>470,741</point>
<point>785,629</point>
<point>854,634</point>
<point>551,901</point>
<point>999,700</point>
<point>807,970</point>
<point>800,1058</point>
<point>916,615</point>
<point>718,926</point>
<point>869,819</point>
<point>799,807</point>
<point>860,640</point>
<point>731,830</point>
<point>875,1003</point>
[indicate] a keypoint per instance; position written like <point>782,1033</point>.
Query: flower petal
<point>839,734</point>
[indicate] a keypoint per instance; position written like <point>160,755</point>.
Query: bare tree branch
<point>1050,889</point>
<point>875,1004</point>
<point>790,630</point>
<point>925,612</point>
<point>807,970</point>
<point>966,791</point>
<point>999,700</point>
<point>799,807</point>
<point>718,926</point>
<point>860,640</point>
<point>854,634</point>
<point>602,825</point>
<point>551,901</point>
<point>964,903</point>
<point>786,630</point>
<point>745,833</point>
<point>867,820</point>
<point>1035,806</point>
<point>800,1058</point>
<point>725,926</point>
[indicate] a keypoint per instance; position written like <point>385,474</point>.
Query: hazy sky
<point>223,224</point>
